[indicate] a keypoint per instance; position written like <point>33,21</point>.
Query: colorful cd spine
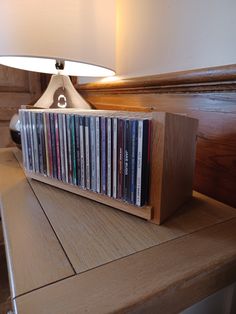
<point>24,139</point>
<point>120,168</point>
<point>47,142</point>
<point>53,145</point>
<point>65,148</point>
<point>114,157</point>
<point>77,144</point>
<point>57,140</point>
<point>98,175</point>
<point>107,155</point>
<point>69,155</point>
<point>133,170</point>
<point>126,189</point>
<point>82,152</point>
<point>139,164</point>
<point>61,147</point>
<point>93,153</point>
<point>87,153</point>
<point>35,142</point>
<point>73,150</point>
<point>103,156</point>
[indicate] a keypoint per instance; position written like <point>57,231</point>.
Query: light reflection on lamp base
<point>15,136</point>
<point>15,130</point>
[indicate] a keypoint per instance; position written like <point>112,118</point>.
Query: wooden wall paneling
<point>16,88</point>
<point>206,94</point>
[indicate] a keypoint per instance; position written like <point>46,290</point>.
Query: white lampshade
<point>79,32</point>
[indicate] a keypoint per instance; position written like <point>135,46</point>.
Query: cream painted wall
<point>158,36</point>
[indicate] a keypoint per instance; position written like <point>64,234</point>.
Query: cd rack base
<point>142,212</point>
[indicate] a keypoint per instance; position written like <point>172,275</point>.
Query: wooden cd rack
<point>172,162</point>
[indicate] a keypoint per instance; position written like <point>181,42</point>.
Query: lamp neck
<point>60,65</point>
<point>60,93</point>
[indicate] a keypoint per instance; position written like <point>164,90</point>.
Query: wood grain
<point>17,88</point>
<point>206,94</point>
<point>35,257</point>
<point>94,234</point>
<point>166,278</point>
<point>144,212</point>
<point>163,262</point>
<point>172,163</point>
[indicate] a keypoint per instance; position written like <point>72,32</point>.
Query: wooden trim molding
<point>221,78</point>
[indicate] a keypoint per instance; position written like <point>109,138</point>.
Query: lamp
<point>72,37</point>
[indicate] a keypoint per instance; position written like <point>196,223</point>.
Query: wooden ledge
<point>204,79</point>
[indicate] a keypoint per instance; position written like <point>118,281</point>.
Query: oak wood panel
<point>17,88</point>
<point>94,234</point>
<point>15,80</point>
<point>35,257</point>
<point>178,164</point>
<point>5,140</point>
<point>215,173</point>
<point>166,278</point>
<point>174,102</point>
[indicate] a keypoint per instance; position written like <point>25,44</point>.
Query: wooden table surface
<point>68,254</point>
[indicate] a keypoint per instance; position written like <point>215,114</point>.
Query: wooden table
<point>68,254</point>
